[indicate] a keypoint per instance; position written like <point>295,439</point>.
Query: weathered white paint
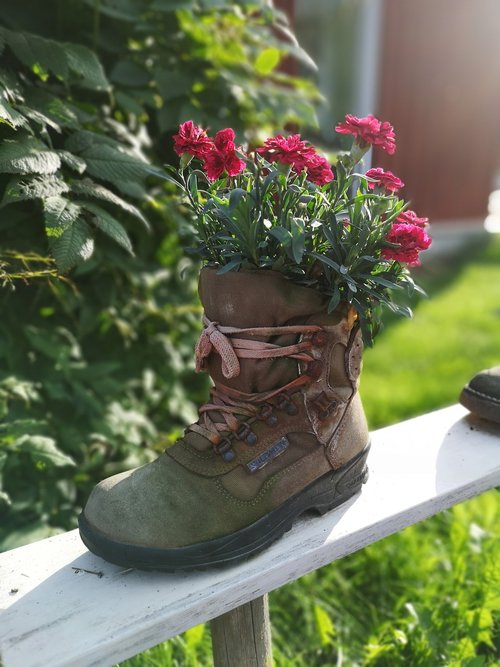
<point>60,618</point>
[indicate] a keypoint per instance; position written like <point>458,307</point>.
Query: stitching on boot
<point>239,501</point>
<point>478,393</point>
<point>268,484</point>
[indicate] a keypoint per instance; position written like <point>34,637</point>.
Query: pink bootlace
<point>232,404</point>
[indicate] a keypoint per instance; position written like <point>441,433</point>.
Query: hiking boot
<point>482,395</point>
<point>283,433</point>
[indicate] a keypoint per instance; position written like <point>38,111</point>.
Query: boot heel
<point>341,484</point>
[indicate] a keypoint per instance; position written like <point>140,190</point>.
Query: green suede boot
<point>283,433</point>
<point>482,394</point>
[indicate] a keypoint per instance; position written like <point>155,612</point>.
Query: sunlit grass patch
<point>422,364</point>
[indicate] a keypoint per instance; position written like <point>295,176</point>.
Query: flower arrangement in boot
<point>282,207</point>
<point>299,259</point>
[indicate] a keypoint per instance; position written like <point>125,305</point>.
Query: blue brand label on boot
<point>269,455</point>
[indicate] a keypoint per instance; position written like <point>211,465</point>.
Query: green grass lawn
<point>428,596</point>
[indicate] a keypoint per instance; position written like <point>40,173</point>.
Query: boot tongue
<point>258,298</point>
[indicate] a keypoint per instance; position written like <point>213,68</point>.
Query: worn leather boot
<point>283,433</point>
<point>482,394</point>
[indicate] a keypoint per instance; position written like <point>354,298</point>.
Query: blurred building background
<point>432,68</point>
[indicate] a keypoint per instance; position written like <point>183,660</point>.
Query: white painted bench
<point>62,606</point>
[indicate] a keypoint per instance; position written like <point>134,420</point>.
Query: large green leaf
<point>59,214</point>
<point>27,155</point>
<point>84,139</point>
<point>58,110</point>
<point>95,190</point>
<point>11,116</point>
<point>87,66</point>
<point>73,161</point>
<point>39,117</point>
<point>33,50</point>
<point>111,164</point>
<point>108,225</point>
<point>124,10</point>
<point>76,245</point>
<point>21,188</point>
<point>129,74</point>
<point>57,57</point>
<point>173,83</point>
<point>267,60</point>
<point>43,449</point>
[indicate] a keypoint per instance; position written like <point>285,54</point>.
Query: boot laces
<point>229,404</point>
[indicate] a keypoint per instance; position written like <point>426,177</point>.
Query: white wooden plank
<point>53,616</point>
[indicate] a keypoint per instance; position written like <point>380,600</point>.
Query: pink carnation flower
<point>384,179</point>
<point>369,131</point>
<point>222,157</point>
<point>411,240</point>
<point>192,139</point>
<point>411,218</point>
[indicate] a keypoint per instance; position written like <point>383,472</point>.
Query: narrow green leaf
<point>324,625</point>
<point>233,264</point>
<point>326,260</point>
<point>282,235</point>
<point>380,280</point>
<point>235,197</point>
<point>298,239</point>
<point>334,300</point>
<point>192,183</point>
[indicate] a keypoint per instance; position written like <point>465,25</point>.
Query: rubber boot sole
<point>321,496</point>
<point>479,404</point>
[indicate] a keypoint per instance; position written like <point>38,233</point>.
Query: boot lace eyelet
<point>266,414</point>
<point>285,403</point>
<point>224,449</point>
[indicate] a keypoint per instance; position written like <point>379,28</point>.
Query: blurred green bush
<point>99,311</point>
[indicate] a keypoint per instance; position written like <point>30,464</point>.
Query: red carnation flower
<point>369,131</point>
<point>411,240</point>
<point>222,157</point>
<point>319,170</point>
<point>411,218</point>
<point>295,151</point>
<point>384,179</point>
<point>287,150</point>
<point>192,139</point>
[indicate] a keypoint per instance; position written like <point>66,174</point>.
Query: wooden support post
<point>242,636</point>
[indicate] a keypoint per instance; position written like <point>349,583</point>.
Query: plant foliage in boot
<point>281,206</point>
